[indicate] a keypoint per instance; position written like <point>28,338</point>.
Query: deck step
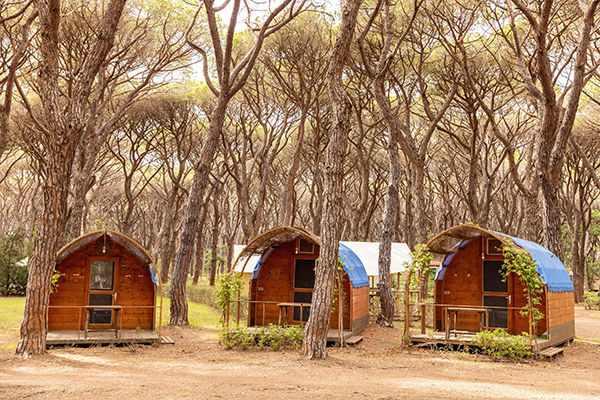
<point>166,340</point>
<point>552,352</point>
<point>354,340</point>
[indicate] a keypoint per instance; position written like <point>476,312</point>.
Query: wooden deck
<point>56,337</point>
<point>332,334</point>
<point>459,339</point>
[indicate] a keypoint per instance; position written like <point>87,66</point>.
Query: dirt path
<point>196,367</point>
<point>587,324</point>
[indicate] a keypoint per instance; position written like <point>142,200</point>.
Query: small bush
<point>237,337</point>
<point>13,266</point>
<point>592,301</point>
<point>499,344</point>
<point>274,337</point>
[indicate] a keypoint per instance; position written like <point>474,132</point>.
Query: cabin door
<point>304,282</point>
<point>102,292</point>
<point>496,297</point>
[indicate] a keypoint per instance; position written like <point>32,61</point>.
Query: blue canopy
<point>351,263</point>
<point>353,266</point>
<point>551,269</point>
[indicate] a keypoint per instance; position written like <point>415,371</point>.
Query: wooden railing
<point>449,310</point>
<point>87,307</point>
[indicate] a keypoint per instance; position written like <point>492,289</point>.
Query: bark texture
<point>314,345</point>
<point>62,131</point>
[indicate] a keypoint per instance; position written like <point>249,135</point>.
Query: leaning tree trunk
<point>314,345</point>
<point>185,250</point>
<point>578,260</point>
<point>385,317</point>
<point>214,251</point>
<point>51,226</point>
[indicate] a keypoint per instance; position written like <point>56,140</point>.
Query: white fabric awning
<point>368,252</point>
<point>254,258</point>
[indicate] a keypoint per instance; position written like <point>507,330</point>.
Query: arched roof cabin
<point>284,278</point>
<point>106,291</point>
<point>470,277</point>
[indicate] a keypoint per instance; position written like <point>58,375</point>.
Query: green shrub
<point>274,336</point>
<point>499,344</point>
<point>592,301</point>
<point>237,337</point>
<point>13,270</point>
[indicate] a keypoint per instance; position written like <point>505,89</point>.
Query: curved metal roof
<point>129,244</point>
<point>283,234</point>
<point>552,271</point>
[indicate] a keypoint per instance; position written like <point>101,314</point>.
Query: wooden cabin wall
<point>462,285</point>
<point>521,324</point>
<point>133,284</point>
<point>135,288</point>
<point>360,308</point>
<point>71,291</point>
<point>276,278</point>
<point>561,316</point>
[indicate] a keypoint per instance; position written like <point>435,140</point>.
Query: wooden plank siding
<point>275,283</point>
<point>133,285</point>
<point>462,285</point>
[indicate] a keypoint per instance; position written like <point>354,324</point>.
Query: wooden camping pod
<point>104,268</point>
<point>469,277</point>
<point>286,252</point>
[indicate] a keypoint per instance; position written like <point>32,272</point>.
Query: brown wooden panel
<point>133,286</point>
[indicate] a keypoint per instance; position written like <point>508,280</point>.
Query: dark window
<point>99,316</point>
<point>493,281</point>
<point>498,317</point>
<point>302,297</point>
<point>101,275</point>
<point>306,246</point>
<point>494,246</point>
<point>304,274</point>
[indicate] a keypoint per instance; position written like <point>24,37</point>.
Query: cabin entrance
<point>102,292</point>
<point>496,296</point>
<point>304,283</point>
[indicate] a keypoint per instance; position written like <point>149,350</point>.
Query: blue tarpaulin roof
<point>352,265</point>
<point>551,269</point>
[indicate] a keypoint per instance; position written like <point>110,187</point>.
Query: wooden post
<point>237,318</point>
<point>227,314</point>
<point>447,323</point>
<point>79,323</point>
<point>423,317</point>
<point>340,313</point>
<point>406,337</point>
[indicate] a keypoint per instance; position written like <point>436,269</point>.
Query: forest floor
<point>196,367</point>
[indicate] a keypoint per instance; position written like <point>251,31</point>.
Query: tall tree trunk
<point>314,345</point>
<point>62,135</point>
<point>386,316</point>
<point>578,259</point>
<point>199,248</point>
<point>55,190</point>
<point>288,198</point>
<point>185,251</point>
<point>214,251</point>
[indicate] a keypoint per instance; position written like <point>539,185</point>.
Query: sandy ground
<point>587,324</point>
<point>196,367</point>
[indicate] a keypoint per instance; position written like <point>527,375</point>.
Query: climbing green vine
<point>520,263</point>
<point>228,288</point>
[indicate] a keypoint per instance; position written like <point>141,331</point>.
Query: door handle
<point>509,298</point>
<point>114,297</point>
